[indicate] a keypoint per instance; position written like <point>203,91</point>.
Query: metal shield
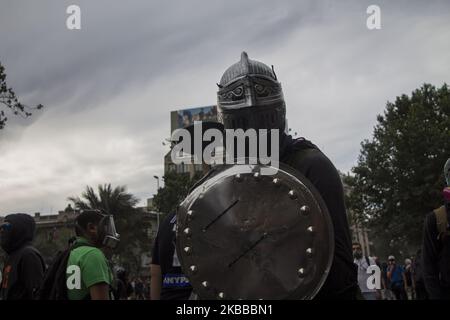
<point>244,235</point>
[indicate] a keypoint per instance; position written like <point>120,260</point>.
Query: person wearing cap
<point>397,280</point>
<point>436,246</point>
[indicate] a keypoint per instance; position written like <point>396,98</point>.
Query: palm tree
<point>114,201</point>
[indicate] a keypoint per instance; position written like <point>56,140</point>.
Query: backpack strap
<point>441,222</point>
<point>368,261</point>
<point>78,245</point>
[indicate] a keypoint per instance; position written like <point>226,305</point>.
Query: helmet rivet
<point>188,250</point>
<point>304,210</point>
<point>238,177</point>
<point>276,181</point>
<point>190,214</point>
<point>193,268</point>
<point>221,295</point>
<point>301,272</point>
<point>310,229</point>
<point>309,252</point>
<point>292,194</point>
<point>256,175</point>
<point>187,231</point>
<point>205,284</point>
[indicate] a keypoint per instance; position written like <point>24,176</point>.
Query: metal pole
<point>157,182</point>
<point>157,189</point>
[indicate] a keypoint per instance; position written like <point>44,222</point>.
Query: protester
<point>397,280</point>
<point>168,281</point>
<point>94,230</point>
<point>419,283</point>
<point>363,263</point>
<point>147,289</point>
<point>139,289</point>
<point>130,290</point>
<point>121,284</point>
<point>24,267</point>
<point>436,246</point>
<point>250,96</point>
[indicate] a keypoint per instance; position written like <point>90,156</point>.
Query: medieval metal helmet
<point>250,96</point>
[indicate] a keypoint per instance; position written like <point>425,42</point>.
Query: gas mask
<point>107,232</point>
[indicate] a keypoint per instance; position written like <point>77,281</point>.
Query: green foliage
<point>9,100</point>
<point>176,188</point>
<point>49,242</point>
<point>399,175</point>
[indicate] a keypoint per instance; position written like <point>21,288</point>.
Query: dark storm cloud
<point>123,46</point>
<point>109,87</point>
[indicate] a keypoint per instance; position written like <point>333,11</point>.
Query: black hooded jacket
<point>24,267</point>
<point>436,258</point>
<point>304,156</point>
<point>301,154</point>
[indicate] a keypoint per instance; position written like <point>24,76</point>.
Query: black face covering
<point>19,233</point>
<point>357,254</point>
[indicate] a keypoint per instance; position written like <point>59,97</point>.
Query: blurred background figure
<point>24,267</point>
<point>409,280</point>
<point>139,289</point>
<point>121,284</point>
<point>397,280</point>
<point>363,262</point>
<point>419,284</point>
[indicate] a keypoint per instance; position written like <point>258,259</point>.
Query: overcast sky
<point>109,87</point>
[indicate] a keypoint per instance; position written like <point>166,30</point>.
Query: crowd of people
<point>423,276</point>
<point>135,289</point>
<point>398,281</point>
<point>80,272</point>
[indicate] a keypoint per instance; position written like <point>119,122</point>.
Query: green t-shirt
<point>86,267</point>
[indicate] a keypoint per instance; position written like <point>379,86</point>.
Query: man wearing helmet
<point>250,97</point>
<point>436,246</point>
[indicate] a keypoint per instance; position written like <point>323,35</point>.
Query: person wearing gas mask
<point>436,246</point>
<point>89,275</point>
<point>24,267</point>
